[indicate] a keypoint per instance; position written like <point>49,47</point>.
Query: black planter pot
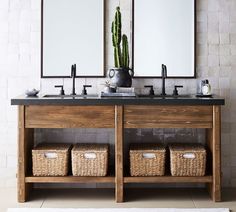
<point>121,77</point>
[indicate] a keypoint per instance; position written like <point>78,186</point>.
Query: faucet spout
<point>73,75</point>
<point>163,76</point>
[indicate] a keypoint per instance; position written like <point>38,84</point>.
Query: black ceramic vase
<point>121,77</point>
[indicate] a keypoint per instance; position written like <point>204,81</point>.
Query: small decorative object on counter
<point>120,92</point>
<point>206,87</point>
<point>187,159</point>
<point>147,159</point>
<point>203,88</point>
<point>90,159</point>
<point>51,159</point>
<point>125,90</point>
<point>121,75</point>
<point>199,87</point>
<point>109,88</point>
<point>31,92</point>
<point>116,94</point>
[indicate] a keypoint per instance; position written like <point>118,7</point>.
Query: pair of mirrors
<point>73,31</point>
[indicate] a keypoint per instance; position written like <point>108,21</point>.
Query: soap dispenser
<point>206,87</point>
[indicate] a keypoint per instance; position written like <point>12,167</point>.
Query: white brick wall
<point>20,69</point>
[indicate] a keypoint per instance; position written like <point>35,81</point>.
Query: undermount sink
<point>166,96</point>
<point>70,96</point>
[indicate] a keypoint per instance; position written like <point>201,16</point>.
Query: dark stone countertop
<point>190,100</point>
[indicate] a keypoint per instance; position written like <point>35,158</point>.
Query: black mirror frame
<point>195,53</point>
<point>104,48</point>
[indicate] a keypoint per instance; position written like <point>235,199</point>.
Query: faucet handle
<point>84,91</point>
<point>151,92</point>
<point>175,91</point>
<point>62,92</point>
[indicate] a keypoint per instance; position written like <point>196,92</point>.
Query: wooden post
<point>214,142</point>
<point>25,140</point>
<point>119,134</point>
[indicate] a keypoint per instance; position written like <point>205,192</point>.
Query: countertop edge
<point>117,101</point>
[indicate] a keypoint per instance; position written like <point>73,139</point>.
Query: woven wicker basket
<point>51,159</point>
<point>147,159</point>
<point>90,159</point>
<point>187,159</point>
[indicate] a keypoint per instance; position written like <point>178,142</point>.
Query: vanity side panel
<point>69,116</point>
<point>119,148</point>
<point>176,116</point>
<point>214,144</point>
<point>25,144</point>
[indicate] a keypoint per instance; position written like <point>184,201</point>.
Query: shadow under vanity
<point>120,114</point>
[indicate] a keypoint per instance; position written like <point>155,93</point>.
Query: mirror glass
<point>164,33</point>
<point>72,33</point>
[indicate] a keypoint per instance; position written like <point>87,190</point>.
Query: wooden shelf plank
<point>169,179</point>
<point>70,179</point>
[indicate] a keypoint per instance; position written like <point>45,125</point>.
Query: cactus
<point>121,59</point>
<point>116,37</point>
<point>125,52</point>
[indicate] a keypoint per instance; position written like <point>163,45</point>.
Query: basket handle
<point>90,155</point>
<point>149,155</point>
<point>189,155</point>
<point>50,155</point>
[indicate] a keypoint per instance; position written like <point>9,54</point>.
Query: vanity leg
<point>214,143</point>
<point>119,134</point>
<point>25,142</point>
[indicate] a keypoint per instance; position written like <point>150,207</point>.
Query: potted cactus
<point>121,75</point>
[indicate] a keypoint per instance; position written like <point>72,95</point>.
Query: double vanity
<point>119,113</point>
<point>75,33</point>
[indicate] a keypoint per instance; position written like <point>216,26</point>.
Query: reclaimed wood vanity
<point>118,113</point>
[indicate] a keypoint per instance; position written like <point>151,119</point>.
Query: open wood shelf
<point>169,179</point>
<point>70,179</point>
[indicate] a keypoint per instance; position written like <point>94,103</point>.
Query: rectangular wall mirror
<point>72,33</point>
<point>164,33</point>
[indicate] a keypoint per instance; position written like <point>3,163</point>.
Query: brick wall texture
<point>20,69</point>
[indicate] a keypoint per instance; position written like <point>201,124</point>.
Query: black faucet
<point>62,92</point>
<point>175,91</point>
<point>151,91</point>
<point>73,75</point>
<point>84,91</point>
<point>163,76</point>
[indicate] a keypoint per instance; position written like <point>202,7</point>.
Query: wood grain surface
<point>70,116</point>
<point>156,116</point>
